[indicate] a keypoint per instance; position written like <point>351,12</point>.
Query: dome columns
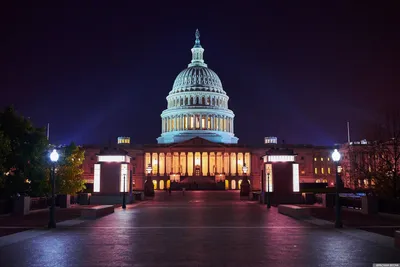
<point>197,121</point>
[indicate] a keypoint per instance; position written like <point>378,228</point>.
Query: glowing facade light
<point>54,156</point>
<point>268,178</point>
<point>296,180</point>
<point>124,178</point>
<point>336,155</point>
<point>279,158</point>
<point>113,158</point>
<point>96,182</point>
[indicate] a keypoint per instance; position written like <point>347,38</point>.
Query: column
<point>201,163</point>
<point>158,164</point>
<point>182,122</point>
<point>175,122</point>
<point>237,165</point>
<point>229,163</point>
<point>187,165</point>
<point>208,164</point>
<point>179,163</point>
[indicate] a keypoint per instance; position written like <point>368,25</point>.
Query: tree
<point>69,171</point>
<point>5,150</point>
<point>378,160</point>
<point>25,163</point>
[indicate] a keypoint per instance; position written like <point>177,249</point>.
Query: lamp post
<point>338,221</point>
<point>149,187</point>
<point>123,196</point>
<point>54,158</point>
<point>268,198</point>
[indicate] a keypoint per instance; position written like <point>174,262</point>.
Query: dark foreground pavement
<point>198,229</point>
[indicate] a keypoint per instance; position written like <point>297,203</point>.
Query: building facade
<point>198,145</point>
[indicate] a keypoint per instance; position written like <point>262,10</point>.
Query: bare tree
<point>376,162</point>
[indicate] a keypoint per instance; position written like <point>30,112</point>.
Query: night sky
<point>297,70</point>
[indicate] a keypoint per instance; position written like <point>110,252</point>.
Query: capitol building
<point>197,146</point>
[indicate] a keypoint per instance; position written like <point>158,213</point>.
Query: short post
<point>123,196</point>
<point>268,196</point>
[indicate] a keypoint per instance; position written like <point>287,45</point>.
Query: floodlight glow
<point>96,181</point>
<point>336,155</point>
<point>54,156</point>
<point>113,158</point>
<point>280,158</point>
<point>296,180</point>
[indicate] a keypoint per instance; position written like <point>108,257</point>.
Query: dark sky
<point>297,70</point>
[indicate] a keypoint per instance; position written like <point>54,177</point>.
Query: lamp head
<point>245,169</point>
<point>336,155</point>
<point>54,156</point>
<point>148,169</point>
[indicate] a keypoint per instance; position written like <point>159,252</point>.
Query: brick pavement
<point>35,219</point>
<point>374,223</point>
<point>198,229</point>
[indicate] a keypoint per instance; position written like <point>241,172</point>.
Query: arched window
<point>191,100</point>
<point>181,101</point>
<point>186,101</point>
<point>203,100</point>
<point>233,184</point>
<point>213,101</point>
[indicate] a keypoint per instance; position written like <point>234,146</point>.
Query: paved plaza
<point>197,229</point>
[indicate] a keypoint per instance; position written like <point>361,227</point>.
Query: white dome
<point>197,105</point>
<point>197,78</point>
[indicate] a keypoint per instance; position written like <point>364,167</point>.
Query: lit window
<point>303,172</point>
<point>318,181</point>
<point>328,159</point>
<point>322,170</point>
<point>315,159</point>
<point>315,170</point>
<point>322,159</point>
<point>329,170</point>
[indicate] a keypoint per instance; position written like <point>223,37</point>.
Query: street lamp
<point>123,196</point>
<point>54,158</point>
<point>245,169</point>
<point>148,169</point>
<point>268,198</point>
<point>338,221</point>
<point>149,187</point>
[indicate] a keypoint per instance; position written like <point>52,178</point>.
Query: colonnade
<point>190,100</point>
<point>197,122</point>
<point>198,163</point>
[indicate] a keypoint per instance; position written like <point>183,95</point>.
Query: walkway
<point>198,229</point>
